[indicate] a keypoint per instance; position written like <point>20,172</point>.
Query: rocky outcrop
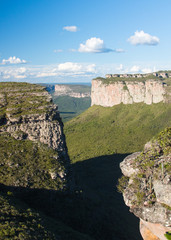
<point>146,186</point>
<point>33,150</point>
<point>126,92</point>
<point>27,111</point>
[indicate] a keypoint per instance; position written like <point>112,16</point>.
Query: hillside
<point>98,140</point>
<point>120,129</point>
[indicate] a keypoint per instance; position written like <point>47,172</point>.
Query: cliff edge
<point>33,150</point>
<point>146,186</point>
<point>127,92</point>
<point>131,88</point>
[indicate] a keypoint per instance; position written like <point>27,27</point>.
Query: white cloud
<point>70,28</point>
<point>10,72</point>
<point>147,70</point>
<point>20,76</point>
<point>69,66</point>
<point>134,69</point>
<point>12,60</point>
<point>142,38</point>
<point>66,69</point>
<point>94,45</point>
<point>91,68</point>
<point>120,68</point>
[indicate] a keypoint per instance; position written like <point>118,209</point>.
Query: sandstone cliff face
<point>126,92</point>
<point>146,186</point>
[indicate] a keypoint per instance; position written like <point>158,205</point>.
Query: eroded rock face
<point>28,112</point>
<point>126,92</point>
<point>148,188</point>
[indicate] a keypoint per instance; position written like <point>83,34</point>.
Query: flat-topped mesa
<point>27,111</point>
<point>127,91</point>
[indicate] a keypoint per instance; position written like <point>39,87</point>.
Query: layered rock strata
<point>126,92</point>
<point>28,109</point>
<point>146,186</point>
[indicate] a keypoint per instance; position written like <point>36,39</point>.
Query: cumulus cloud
<point>12,60</point>
<point>142,38</point>
<point>16,73</point>
<point>69,66</point>
<point>66,69</point>
<point>70,28</point>
<point>94,45</point>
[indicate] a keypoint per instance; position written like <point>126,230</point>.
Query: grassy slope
<point>103,137</point>
<point>120,129</point>
<point>27,164</point>
<point>70,107</point>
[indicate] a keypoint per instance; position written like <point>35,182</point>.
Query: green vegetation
<point>32,203</point>
<point>126,79</point>
<point>29,164</point>
<point>168,235</point>
<point>148,159</point>
<point>19,221</point>
<point>122,183</point>
<point>22,98</point>
<point>120,129</point>
<point>70,107</point>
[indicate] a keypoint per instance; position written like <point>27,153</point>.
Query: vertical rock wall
<point>126,92</point>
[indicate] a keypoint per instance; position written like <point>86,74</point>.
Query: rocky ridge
<point>146,186</point>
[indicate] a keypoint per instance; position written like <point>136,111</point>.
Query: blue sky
<point>75,41</point>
